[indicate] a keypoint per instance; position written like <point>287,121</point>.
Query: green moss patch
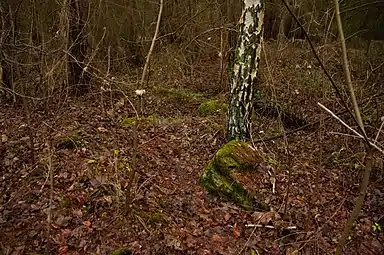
<point>70,142</point>
<point>181,95</point>
<point>218,178</point>
<point>129,122</point>
<point>157,218</point>
<point>225,186</point>
<point>150,120</point>
<point>122,251</point>
<point>212,107</point>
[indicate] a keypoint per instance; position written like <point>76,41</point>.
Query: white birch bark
<point>243,69</point>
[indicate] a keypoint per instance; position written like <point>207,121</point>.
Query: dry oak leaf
<point>236,232</point>
<point>216,238</point>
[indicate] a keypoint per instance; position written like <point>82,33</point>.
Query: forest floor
<point>87,146</point>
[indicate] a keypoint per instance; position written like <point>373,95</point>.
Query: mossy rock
<point>218,178</point>
<point>181,95</point>
<point>122,251</point>
<point>212,107</point>
<point>216,183</point>
<point>237,155</point>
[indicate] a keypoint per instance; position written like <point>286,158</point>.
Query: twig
<point>362,5</point>
<point>338,93</point>
<point>246,243</point>
<point>177,29</point>
<point>292,234</point>
<point>325,223</point>
<point>143,224</point>
<point>338,133</point>
<point>288,190</point>
<point>262,140</point>
<point>351,129</point>
<point>11,91</point>
<point>340,120</point>
<point>267,226</point>
<point>50,173</point>
<point>378,132</point>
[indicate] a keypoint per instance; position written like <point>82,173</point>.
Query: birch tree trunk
<point>243,69</point>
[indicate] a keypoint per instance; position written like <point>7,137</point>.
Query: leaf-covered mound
<point>219,176</point>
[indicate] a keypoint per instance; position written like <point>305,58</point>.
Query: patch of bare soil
<point>310,179</point>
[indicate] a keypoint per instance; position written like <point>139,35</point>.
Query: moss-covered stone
<point>226,186</point>
<point>212,107</point>
<point>122,251</point>
<point>218,177</point>
<point>237,155</point>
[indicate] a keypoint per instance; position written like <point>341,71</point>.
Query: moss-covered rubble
<point>218,178</point>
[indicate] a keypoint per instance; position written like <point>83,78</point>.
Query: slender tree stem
<point>369,149</point>
<point>152,44</point>
<point>359,201</point>
<point>347,72</point>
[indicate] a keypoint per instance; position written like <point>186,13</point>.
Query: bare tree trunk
<point>5,70</point>
<point>78,45</point>
<point>243,70</point>
<point>231,18</point>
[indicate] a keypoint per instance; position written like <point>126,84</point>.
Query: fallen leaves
<point>216,238</point>
<point>87,224</point>
<point>236,232</point>
<point>227,217</point>
<point>87,203</point>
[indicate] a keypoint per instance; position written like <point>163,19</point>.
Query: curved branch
<point>152,44</point>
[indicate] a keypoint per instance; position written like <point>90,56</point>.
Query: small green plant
<point>376,227</point>
<point>337,155</point>
<point>122,251</point>
<point>258,95</point>
<point>157,218</point>
<point>271,161</point>
<point>127,122</point>
<point>366,117</point>
<point>70,142</point>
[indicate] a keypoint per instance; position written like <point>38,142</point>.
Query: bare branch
<point>351,129</point>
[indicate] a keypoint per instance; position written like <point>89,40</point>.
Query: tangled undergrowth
<point>310,183</point>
